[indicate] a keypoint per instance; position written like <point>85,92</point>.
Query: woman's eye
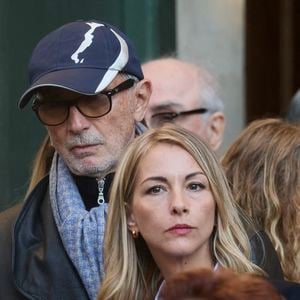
<point>155,189</point>
<point>196,186</point>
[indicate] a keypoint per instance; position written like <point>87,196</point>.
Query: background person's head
<point>224,284</point>
<point>180,87</point>
<point>263,169</point>
<point>89,92</point>
<point>293,113</point>
<point>129,265</point>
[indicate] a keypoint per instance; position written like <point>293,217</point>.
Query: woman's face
<point>173,207</point>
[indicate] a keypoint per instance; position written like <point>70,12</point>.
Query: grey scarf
<point>81,231</point>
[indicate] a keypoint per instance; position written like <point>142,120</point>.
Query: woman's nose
<point>179,204</point>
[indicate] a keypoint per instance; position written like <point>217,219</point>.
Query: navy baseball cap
<point>82,56</point>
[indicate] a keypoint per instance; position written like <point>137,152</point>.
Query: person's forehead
<point>55,93</point>
<point>167,105</point>
<point>181,160</point>
<point>175,95</point>
<point>180,89</point>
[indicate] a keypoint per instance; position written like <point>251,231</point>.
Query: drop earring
<point>134,233</point>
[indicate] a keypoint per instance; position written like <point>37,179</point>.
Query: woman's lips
<point>180,229</point>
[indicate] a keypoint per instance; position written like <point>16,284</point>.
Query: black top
<point>290,290</point>
<point>88,189</point>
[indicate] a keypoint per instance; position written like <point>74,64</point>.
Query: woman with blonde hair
<point>263,169</point>
<point>171,210</point>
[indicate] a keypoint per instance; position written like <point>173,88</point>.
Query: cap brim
<point>81,80</point>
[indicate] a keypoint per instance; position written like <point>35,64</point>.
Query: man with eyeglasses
<point>87,88</point>
<point>184,94</point>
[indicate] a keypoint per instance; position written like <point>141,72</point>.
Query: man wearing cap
<point>88,89</point>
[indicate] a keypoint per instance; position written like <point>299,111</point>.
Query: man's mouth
<point>80,149</point>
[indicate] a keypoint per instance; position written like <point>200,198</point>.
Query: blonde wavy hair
<point>130,271</point>
<point>41,163</point>
<point>263,169</point>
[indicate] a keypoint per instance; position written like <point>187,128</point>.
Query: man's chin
<point>82,166</point>
<point>91,167</point>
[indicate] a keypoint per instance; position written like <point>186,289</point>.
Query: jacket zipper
<point>101,199</point>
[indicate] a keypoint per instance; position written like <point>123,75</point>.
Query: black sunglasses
<point>164,117</point>
<point>56,112</point>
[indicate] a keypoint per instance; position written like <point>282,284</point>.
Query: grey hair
<point>209,95</point>
<point>129,76</point>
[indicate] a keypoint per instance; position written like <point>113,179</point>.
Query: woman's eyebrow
<point>155,178</point>
<point>164,179</point>
<point>189,176</point>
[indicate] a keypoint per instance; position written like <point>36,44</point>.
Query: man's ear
<point>216,130</point>
<point>143,92</point>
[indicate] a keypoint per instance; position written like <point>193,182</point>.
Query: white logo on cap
<point>116,66</point>
<point>87,42</point>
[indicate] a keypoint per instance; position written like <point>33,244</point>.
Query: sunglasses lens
<point>94,106</point>
<point>52,113</point>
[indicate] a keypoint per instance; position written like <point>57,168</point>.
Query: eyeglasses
<point>159,119</point>
<point>55,112</point>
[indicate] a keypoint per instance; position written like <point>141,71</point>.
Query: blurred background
<point>250,46</point>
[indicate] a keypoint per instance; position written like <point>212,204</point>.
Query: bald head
<point>178,86</point>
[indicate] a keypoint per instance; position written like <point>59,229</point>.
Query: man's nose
<point>76,120</point>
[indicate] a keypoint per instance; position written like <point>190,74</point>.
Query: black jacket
<point>290,290</point>
<point>263,254</point>
<point>34,264</point>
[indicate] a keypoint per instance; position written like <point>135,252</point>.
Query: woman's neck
<point>170,265</point>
